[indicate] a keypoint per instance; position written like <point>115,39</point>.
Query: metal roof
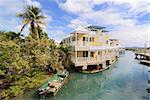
<point>104,31</point>
<point>96,27</point>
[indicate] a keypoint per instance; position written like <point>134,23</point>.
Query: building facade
<point>92,48</point>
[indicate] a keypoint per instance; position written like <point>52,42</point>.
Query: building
<point>92,49</point>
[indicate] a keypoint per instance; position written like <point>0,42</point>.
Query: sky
<point>127,20</point>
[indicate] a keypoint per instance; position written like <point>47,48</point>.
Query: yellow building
<point>93,50</point>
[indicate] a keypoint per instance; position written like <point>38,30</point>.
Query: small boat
<point>53,85</point>
<point>94,71</point>
<point>145,62</point>
<point>148,90</point>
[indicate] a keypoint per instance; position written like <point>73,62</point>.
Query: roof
<point>113,39</point>
<point>104,31</point>
<point>80,30</point>
<point>96,27</point>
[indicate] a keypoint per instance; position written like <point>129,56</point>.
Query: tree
<point>9,36</point>
<point>23,64</point>
<point>42,34</point>
<point>32,16</point>
<point>65,56</point>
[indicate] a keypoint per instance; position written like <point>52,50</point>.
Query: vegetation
<point>25,61</point>
<point>65,55</point>
<point>32,16</point>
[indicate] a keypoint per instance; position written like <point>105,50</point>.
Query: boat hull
<point>46,90</point>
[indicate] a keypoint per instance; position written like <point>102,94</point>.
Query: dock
<point>143,56</point>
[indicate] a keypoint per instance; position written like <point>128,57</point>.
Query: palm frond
<point>20,15</point>
<point>25,21</point>
<point>40,17</point>
<point>40,22</point>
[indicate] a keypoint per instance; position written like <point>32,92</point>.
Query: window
<point>83,38</point>
<point>87,39</point>
<point>92,54</point>
<point>69,40</point>
<point>73,38</point>
<point>92,39</point>
<point>107,42</point>
<point>85,53</point>
<point>99,52</point>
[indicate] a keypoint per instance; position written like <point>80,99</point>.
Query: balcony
<point>80,45</point>
<point>83,59</point>
<point>80,61</point>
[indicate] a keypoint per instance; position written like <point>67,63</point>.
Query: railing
<point>109,56</point>
<point>79,59</point>
<point>79,43</point>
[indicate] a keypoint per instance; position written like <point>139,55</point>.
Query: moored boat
<point>53,85</point>
<point>94,71</point>
<point>145,62</point>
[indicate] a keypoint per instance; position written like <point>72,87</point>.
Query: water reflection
<point>125,80</point>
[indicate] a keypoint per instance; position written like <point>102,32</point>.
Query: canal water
<point>125,80</point>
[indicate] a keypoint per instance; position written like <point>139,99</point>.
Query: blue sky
<point>127,20</point>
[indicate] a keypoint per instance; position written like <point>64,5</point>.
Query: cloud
<point>77,22</point>
<point>48,19</point>
<point>75,6</point>
<point>135,35</point>
<point>34,3</point>
<point>107,17</point>
<point>57,35</point>
<point>81,6</point>
<point>8,19</point>
<point>125,18</point>
<point>120,14</point>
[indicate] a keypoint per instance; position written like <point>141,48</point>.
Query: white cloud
<point>9,9</point>
<point>33,2</point>
<point>135,35</point>
<point>126,26</point>
<point>77,22</point>
<point>107,17</point>
<point>48,18</point>
<point>76,6</point>
<point>8,25</point>
<point>56,35</point>
<point>81,6</point>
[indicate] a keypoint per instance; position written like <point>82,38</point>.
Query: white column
<point>75,47</point>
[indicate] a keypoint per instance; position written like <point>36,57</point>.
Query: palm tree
<point>32,16</point>
<point>42,34</point>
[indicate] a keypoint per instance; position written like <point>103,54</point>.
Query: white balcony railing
<point>80,59</point>
<point>79,43</point>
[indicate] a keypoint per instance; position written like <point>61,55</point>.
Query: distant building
<point>93,50</point>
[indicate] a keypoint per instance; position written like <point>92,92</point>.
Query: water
<point>125,80</point>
